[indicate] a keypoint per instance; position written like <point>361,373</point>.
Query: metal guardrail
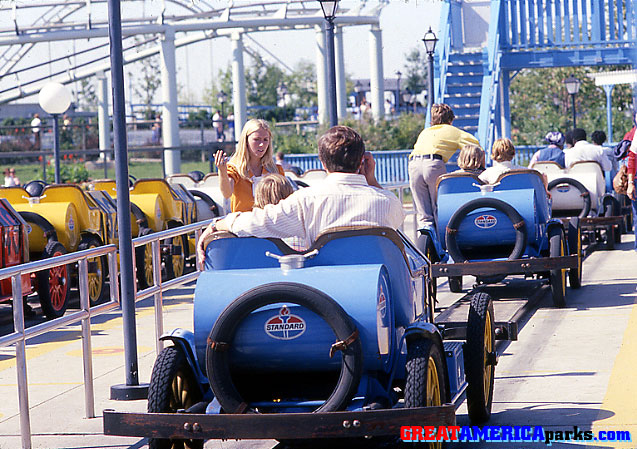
<point>20,334</point>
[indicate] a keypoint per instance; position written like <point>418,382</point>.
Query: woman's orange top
<point>242,199</point>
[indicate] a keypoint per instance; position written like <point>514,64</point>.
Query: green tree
<point>86,96</point>
<point>540,103</point>
<point>147,82</point>
<point>415,70</point>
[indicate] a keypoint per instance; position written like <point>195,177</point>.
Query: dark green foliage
<point>540,103</point>
<point>68,174</point>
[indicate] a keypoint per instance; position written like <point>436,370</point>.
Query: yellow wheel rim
<point>178,259</point>
<point>148,264</point>
<point>488,348</point>
<point>434,397</point>
<point>95,278</point>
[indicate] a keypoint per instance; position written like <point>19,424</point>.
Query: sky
<point>403,25</point>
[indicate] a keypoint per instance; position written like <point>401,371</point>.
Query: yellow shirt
<point>242,198</point>
<point>444,140</point>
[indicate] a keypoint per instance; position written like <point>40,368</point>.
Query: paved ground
<point>573,366</point>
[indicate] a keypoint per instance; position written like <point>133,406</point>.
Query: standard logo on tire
<point>71,224</point>
<point>285,326</point>
<point>563,188</point>
<point>485,221</point>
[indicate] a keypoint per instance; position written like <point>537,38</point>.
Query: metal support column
<point>341,88</point>
<point>238,85</point>
<point>321,75</point>
<point>505,80</point>
<point>376,81</point>
<point>103,119</point>
<point>170,113</point>
<point>608,88</point>
<point>132,389</point>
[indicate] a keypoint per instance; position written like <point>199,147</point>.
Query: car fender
<point>185,339</point>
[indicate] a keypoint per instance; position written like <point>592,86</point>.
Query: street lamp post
<point>572,87</point>
<point>222,97</point>
<point>329,8</point>
<point>398,75</point>
<point>55,99</point>
<point>430,41</point>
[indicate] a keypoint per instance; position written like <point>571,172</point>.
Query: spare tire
<point>223,332</point>
<point>584,193</point>
<point>454,223</point>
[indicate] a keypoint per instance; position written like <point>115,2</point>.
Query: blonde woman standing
<point>252,160</point>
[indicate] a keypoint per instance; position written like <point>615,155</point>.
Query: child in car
<point>471,159</point>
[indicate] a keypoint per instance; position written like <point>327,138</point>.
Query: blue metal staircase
<point>523,34</point>
<point>464,88</point>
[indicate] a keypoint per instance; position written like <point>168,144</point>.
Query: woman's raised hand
<point>221,161</point>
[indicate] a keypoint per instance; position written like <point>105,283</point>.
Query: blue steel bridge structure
<point>484,44</point>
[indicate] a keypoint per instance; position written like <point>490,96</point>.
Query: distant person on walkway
<point>253,159</point>
<point>10,178</point>
<point>156,131</point>
<point>554,152</point>
<point>632,172</point>
<point>434,147</point>
<point>584,151</point>
<point>365,109</point>
<point>471,159</point>
<point>502,154</point>
<point>217,121</point>
<point>35,129</point>
<point>388,107</point>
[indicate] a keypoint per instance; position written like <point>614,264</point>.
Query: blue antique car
<point>338,341</point>
<point>495,230</point>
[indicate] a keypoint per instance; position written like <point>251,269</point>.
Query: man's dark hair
<point>341,149</point>
<point>578,134</point>
<point>441,114</point>
<point>598,137</point>
<point>568,138</point>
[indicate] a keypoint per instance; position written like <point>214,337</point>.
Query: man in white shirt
<point>584,151</point>
<point>349,196</point>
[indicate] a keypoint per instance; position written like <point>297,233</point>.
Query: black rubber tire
<point>214,208</point>
<point>610,229</point>
<point>479,358</point>
<point>557,277</point>
<point>217,362</point>
<point>173,386</point>
<point>575,247</point>
<point>579,186</point>
<point>422,354</point>
<point>54,284</point>
<point>426,245</point>
<point>487,202</point>
<point>97,271</point>
<point>175,263</point>
<point>455,284</point>
<point>144,262</point>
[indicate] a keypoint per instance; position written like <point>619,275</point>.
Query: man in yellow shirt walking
<point>434,147</point>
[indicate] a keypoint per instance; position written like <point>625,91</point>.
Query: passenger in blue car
<point>350,195</point>
<point>502,154</point>
<point>471,159</point>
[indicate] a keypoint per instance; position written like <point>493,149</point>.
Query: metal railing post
<point>21,361</point>
<point>114,278</point>
<point>158,297</point>
<point>87,353</point>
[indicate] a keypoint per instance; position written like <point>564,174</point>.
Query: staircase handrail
<point>491,78</point>
<point>441,57</point>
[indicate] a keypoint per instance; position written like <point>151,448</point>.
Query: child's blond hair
<point>271,189</point>
<point>503,150</point>
<point>471,157</point>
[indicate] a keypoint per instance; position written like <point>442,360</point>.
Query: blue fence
<point>391,166</point>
